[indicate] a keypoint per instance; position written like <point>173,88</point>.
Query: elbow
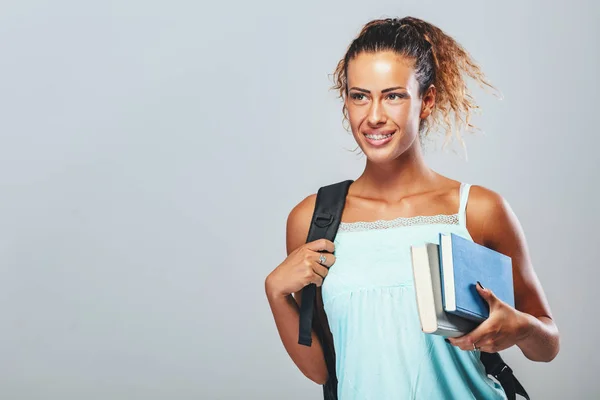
<point>550,352</point>
<point>318,376</point>
<point>555,349</point>
<point>319,379</point>
<point>546,358</point>
<point>549,357</point>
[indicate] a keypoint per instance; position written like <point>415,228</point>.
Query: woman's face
<point>383,103</point>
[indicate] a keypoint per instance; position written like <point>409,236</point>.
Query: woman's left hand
<point>504,327</point>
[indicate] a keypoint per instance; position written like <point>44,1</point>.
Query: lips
<point>378,138</point>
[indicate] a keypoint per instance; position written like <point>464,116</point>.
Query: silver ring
<point>322,259</point>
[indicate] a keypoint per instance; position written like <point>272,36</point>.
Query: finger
<point>316,279</point>
<point>482,332</point>
<point>321,245</point>
<point>329,259</point>
<point>320,270</point>
<point>485,341</point>
<point>488,346</point>
<point>494,344</point>
<point>466,342</point>
<point>486,294</point>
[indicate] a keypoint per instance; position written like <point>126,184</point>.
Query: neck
<point>404,176</point>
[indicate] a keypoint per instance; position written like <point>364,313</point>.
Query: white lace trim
<point>400,221</point>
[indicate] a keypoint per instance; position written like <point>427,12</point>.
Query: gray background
<point>151,151</point>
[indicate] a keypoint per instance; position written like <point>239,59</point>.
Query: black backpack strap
<point>324,224</point>
<point>496,367</point>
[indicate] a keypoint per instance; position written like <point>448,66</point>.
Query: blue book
<point>463,263</point>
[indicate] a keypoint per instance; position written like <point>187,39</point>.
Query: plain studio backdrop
<point>151,152</point>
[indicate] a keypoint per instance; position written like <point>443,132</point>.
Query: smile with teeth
<point>378,137</point>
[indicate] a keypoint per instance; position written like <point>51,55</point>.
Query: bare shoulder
<point>298,223</point>
<point>488,214</point>
<point>484,199</point>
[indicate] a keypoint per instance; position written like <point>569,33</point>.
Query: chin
<point>380,157</point>
<point>384,154</point>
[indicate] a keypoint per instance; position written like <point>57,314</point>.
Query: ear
<point>428,102</point>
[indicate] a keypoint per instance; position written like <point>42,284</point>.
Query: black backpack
<point>324,224</point>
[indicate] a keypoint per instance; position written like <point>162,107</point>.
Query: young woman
<point>400,79</point>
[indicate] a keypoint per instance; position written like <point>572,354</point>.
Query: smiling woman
<point>430,65</point>
<point>401,79</point>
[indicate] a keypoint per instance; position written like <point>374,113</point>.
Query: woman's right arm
<point>300,268</point>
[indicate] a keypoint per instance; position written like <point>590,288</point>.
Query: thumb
<point>487,294</point>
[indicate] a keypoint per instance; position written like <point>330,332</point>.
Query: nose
<point>376,114</point>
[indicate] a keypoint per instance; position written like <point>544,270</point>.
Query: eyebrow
<point>383,91</point>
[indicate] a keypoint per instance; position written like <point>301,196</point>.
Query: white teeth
<point>378,137</point>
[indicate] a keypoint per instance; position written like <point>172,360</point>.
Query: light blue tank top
<point>370,302</point>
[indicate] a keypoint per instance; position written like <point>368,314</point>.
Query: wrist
<point>271,289</point>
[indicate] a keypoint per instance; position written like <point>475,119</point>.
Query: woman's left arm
<point>529,325</point>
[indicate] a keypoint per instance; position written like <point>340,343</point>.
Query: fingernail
<point>480,285</point>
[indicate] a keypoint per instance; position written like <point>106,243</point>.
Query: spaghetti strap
<point>464,196</point>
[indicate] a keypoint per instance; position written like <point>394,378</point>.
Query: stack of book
<point>445,278</point>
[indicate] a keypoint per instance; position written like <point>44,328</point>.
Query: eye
<point>357,96</point>
<point>397,96</point>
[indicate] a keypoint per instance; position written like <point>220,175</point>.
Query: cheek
<point>356,115</point>
<point>399,115</point>
<point>406,111</point>
<point>407,116</point>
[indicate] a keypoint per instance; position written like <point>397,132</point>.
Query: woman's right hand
<point>301,268</point>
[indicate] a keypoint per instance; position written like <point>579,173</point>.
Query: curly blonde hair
<point>438,60</point>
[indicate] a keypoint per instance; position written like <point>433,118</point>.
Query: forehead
<point>380,70</point>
